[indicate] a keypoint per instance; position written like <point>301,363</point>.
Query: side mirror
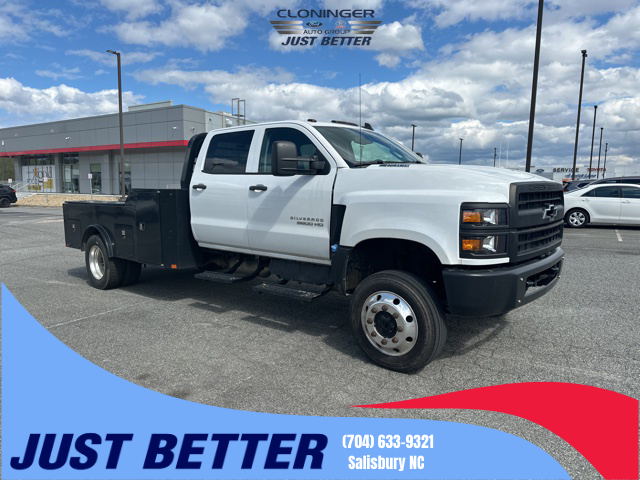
<point>285,161</point>
<point>419,154</point>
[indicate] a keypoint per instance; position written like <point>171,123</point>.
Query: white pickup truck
<point>304,208</point>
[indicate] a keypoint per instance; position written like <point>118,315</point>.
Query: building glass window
<point>70,173</point>
<point>96,177</point>
<point>38,172</point>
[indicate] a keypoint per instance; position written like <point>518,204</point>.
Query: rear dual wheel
<point>106,273</point>
<point>398,320</point>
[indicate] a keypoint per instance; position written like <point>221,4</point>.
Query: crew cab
<point>304,208</point>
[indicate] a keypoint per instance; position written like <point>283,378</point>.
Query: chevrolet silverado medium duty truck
<point>304,208</point>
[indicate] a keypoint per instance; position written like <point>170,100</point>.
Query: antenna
<point>360,122</point>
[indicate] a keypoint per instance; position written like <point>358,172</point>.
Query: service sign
<point>325,240</point>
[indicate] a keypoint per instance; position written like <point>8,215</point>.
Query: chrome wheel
<point>577,219</point>
<point>96,262</point>
<point>389,323</point>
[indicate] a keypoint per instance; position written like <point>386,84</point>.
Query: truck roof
<point>296,122</point>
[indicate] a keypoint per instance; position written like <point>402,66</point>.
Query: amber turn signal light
<point>471,216</point>
<point>471,244</point>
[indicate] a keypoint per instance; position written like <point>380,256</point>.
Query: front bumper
<point>484,293</point>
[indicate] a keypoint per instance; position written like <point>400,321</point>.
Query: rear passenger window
<point>228,153</point>
<point>603,192</point>
<point>630,192</point>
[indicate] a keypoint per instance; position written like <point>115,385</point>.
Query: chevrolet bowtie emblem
<point>550,212</point>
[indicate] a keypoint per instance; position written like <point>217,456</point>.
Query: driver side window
<point>304,146</point>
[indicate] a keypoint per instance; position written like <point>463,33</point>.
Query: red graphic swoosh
<point>600,424</point>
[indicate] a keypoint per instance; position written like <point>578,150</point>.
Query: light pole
<point>593,132</point>
<point>534,87</point>
<point>575,148</point>
<point>122,186</point>
<point>413,137</point>
<point>599,151</point>
<point>495,152</point>
<point>604,167</point>
<point>460,158</point>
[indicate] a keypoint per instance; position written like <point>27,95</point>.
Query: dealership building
<point>83,155</point>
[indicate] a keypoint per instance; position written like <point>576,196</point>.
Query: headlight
<point>484,230</point>
<point>484,216</point>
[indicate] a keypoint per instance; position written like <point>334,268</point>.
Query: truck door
<point>218,191</point>
<point>290,216</point>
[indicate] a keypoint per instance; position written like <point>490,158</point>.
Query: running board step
<point>221,277</point>
<point>291,292</point>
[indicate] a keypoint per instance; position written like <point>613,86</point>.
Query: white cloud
<point>248,77</point>
<point>353,4</point>
<point>396,40</point>
<point>20,22</point>
<point>204,26</point>
<point>57,102</point>
<point>60,72</point>
<point>387,60</point>
<point>451,12</point>
<point>478,89</point>
<point>127,58</point>
<point>133,9</point>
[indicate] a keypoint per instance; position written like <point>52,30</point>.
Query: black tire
<point>111,268</point>
<point>577,218</point>
<point>131,273</point>
<point>5,202</point>
<point>408,354</point>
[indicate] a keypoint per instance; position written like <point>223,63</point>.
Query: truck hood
<point>469,183</point>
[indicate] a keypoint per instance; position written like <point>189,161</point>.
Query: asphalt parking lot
<point>229,346</point>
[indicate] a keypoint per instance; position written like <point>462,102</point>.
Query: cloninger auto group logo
<point>326,27</point>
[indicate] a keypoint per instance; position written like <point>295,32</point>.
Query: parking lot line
<point>618,235</point>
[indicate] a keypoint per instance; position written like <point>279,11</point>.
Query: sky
<point>454,68</point>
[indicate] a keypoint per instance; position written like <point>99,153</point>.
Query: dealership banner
<point>64,417</point>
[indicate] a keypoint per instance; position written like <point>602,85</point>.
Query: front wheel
<point>398,320</point>
<point>5,202</point>
<point>576,218</point>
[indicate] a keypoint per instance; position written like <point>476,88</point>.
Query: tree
<point>6,168</point>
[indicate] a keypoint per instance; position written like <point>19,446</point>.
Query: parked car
<point>634,180</point>
<point>7,196</point>
<point>572,185</point>
<point>603,203</point>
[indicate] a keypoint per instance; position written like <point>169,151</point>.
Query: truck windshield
<point>360,149</point>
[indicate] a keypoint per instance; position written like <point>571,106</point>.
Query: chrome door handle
<point>258,188</point>
<point>626,201</point>
<point>200,186</point>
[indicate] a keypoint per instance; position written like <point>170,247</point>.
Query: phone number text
<point>387,441</point>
